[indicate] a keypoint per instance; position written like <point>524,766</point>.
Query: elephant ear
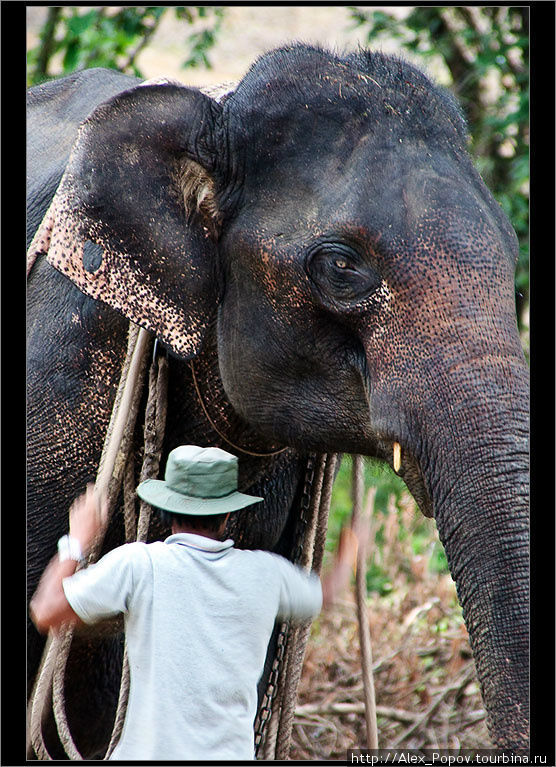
<point>134,222</point>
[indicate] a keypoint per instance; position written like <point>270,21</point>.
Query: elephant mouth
<point>400,457</point>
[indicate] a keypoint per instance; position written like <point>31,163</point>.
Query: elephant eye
<point>340,275</point>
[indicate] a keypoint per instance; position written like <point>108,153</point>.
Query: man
<point>198,612</point>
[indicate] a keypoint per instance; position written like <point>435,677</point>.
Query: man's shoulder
<point>137,548</point>
<point>136,551</point>
<point>255,554</point>
<point>275,562</point>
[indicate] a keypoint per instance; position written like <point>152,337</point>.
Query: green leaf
<point>71,56</point>
<point>77,25</point>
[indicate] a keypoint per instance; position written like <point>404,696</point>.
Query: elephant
<point>326,272</point>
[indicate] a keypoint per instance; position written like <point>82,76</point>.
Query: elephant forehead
<point>388,190</point>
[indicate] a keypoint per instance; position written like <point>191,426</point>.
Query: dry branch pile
<point>427,693</point>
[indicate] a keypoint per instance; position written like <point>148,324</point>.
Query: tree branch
<point>47,41</point>
<point>146,37</point>
<point>398,715</point>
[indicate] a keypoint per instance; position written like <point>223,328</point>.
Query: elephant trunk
<point>480,499</point>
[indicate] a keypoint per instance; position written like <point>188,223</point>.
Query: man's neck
<point>195,531</point>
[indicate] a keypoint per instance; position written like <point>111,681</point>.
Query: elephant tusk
<point>397,456</point>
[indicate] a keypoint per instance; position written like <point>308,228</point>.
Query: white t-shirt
<point>198,618</point>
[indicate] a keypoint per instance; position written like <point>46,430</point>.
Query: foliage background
<point>481,54</point>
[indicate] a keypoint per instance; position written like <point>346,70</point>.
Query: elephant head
<point>327,217</point>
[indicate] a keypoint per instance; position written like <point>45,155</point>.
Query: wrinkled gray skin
<point>346,284</point>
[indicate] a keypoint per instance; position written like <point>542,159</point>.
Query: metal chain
<point>313,549</point>
<point>265,711</point>
<point>304,506</point>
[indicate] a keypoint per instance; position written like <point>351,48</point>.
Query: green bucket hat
<point>198,481</point>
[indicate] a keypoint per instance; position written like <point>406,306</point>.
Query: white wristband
<point>69,548</point>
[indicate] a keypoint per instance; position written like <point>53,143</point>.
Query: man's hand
<point>88,517</point>
<point>49,607</point>
<point>337,579</point>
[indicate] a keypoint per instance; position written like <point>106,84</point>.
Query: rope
<point>288,634</point>
<point>42,689</point>
<point>155,422</point>
<point>58,699</point>
<point>117,444</point>
<point>124,413</point>
<point>278,739</point>
<point>312,554</point>
<point>121,708</point>
<point>116,465</point>
<point>115,461</point>
<point>269,713</point>
<point>217,430</point>
<point>130,517</point>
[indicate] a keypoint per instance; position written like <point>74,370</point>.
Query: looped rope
<point>243,450</point>
<point>58,699</point>
<point>155,423</point>
<point>41,691</point>
<point>313,551</point>
<point>277,738</point>
<point>116,452</point>
<point>288,665</point>
<point>116,466</point>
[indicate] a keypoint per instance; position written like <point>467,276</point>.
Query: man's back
<point>199,615</point>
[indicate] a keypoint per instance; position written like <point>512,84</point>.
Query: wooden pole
<point>359,520</point>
